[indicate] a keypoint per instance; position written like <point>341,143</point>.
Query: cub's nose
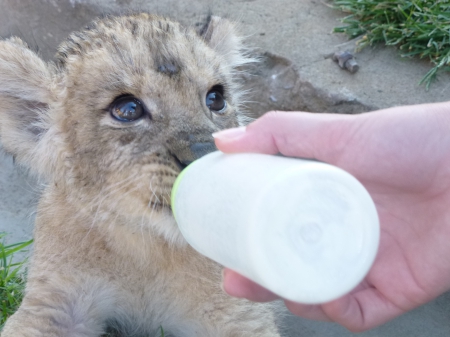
<point>198,150</point>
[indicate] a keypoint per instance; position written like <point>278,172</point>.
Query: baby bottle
<point>305,230</point>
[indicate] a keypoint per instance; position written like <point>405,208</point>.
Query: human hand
<point>402,156</point>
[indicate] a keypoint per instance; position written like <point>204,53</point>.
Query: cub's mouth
<point>180,165</point>
<point>189,154</point>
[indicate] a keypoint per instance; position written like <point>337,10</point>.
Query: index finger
<point>294,134</point>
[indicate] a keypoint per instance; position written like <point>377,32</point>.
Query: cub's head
<point>128,103</point>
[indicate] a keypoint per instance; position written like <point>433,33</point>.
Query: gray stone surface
<point>18,196</point>
<point>292,37</point>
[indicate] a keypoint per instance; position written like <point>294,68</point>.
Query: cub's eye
<point>127,109</point>
<point>215,101</point>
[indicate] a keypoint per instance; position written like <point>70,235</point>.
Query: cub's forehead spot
<point>169,68</point>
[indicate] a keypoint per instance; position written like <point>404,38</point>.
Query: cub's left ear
<point>26,83</point>
<point>221,35</point>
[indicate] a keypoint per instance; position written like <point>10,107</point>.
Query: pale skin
<point>402,156</point>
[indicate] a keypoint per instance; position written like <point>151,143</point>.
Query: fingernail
<point>230,134</point>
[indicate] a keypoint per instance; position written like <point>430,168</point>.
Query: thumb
<point>294,134</point>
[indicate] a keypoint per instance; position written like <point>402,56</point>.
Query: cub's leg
<point>66,310</point>
<point>228,319</point>
<point>204,309</point>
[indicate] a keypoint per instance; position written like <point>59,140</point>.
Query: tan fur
<point>107,249</point>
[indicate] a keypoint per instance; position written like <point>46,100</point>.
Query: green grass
<point>418,28</point>
<point>12,279</point>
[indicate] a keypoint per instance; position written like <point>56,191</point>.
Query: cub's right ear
<point>221,35</point>
<point>25,98</point>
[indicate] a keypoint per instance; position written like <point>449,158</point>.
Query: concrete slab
<point>18,197</point>
<point>292,37</point>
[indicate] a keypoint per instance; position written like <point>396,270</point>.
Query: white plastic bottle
<point>305,230</point>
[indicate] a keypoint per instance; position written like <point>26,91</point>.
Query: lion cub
<point>129,102</point>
